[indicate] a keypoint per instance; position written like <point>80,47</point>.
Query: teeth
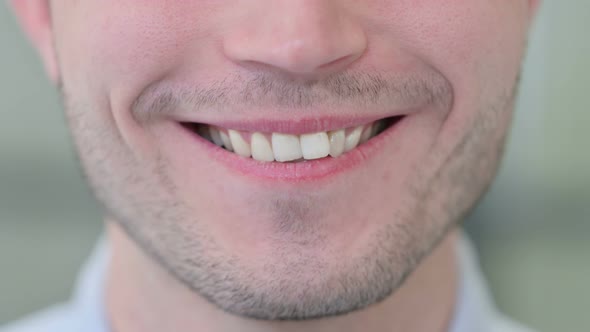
<point>315,146</point>
<point>286,147</point>
<point>352,139</point>
<point>226,141</point>
<point>366,135</point>
<point>215,136</point>
<point>261,149</point>
<point>241,147</point>
<point>337,139</point>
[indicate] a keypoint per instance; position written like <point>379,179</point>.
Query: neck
<point>140,296</point>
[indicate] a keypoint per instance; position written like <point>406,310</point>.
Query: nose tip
<point>303,40</point>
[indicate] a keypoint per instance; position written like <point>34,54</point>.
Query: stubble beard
<point>163,226</point>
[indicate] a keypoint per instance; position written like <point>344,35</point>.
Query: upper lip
<point>292,125</point>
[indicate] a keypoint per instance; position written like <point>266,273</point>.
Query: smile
<point>291,151</point>
<point>291,148</point>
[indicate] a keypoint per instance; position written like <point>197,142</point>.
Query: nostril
<point>334,62</point>
<point>340,62</point>
<point>320,61</point>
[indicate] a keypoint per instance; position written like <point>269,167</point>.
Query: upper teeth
<point>286,147</point>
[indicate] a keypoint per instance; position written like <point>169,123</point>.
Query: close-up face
<point>288,159</point>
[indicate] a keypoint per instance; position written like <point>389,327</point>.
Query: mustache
<point>275,91</point>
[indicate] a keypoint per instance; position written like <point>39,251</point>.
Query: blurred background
<point>532,229</point>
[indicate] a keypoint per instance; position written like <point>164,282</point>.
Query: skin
<point>198,246</point>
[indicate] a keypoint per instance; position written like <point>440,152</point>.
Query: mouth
<point>280,147</point>
<point>304,151</point>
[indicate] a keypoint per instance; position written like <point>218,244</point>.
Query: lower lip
<point>304,171</point>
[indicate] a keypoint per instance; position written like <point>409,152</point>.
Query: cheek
<point>118,45</point>
<point>110,51</point>
<point>460,37</point>
<point>477,45</point>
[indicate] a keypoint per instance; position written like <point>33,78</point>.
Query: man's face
<point>300,237</point>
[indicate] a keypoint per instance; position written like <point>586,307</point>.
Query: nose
<point>301,37</point>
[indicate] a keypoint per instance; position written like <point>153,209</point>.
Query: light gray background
<point>532,229</point>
